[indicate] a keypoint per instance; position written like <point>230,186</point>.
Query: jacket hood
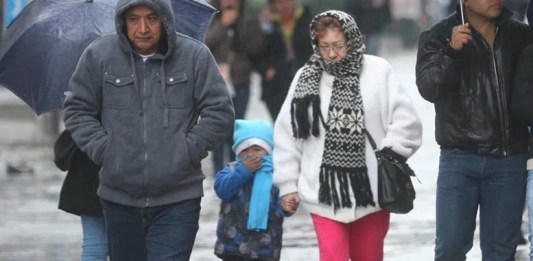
<point>163,8</point>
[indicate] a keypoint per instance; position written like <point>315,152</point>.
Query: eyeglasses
<point>336,48</point>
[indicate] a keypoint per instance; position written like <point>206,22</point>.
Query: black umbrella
<point>43,44</point>
<point>193,17</point>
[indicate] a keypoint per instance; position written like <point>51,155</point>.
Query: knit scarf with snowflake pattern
<point>343,168</point>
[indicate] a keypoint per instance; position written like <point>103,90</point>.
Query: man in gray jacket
<point>147,104</point>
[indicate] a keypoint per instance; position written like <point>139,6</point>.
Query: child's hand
<point>290,202</point>
<point>253,163</point>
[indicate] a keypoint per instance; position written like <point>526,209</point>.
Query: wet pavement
<point>32,228</point>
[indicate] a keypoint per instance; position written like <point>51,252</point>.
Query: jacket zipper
<point>501,91</point>
<point>145,140</point>
<point>505,110</point>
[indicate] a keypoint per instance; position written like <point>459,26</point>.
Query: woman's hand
<point>290,202</point>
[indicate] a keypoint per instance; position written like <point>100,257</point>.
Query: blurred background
<point>407,19</point>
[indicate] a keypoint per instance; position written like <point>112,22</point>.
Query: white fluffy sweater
<point>389,117</point>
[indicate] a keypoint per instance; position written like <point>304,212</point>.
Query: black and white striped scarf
<point>343,164</point>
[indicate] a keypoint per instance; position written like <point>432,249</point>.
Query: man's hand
<point>290,202</point>
<point>461,35</point>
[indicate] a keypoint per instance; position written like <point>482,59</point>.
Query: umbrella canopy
<point>193,17</point>
<point>43,44</point>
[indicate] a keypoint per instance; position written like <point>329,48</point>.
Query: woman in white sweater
<point>322,157</point>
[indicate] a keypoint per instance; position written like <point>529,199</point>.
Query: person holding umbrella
<point>465,65</point>
<point>147,104</point>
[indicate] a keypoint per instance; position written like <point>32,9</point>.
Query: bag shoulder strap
<point>372,143</point>
<point>404,163</point>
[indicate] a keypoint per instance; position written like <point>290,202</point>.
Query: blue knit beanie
<point>252,132</point>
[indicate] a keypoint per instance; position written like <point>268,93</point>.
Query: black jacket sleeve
<point>437,66</point>
<point>522,92</point>
<point>64,151</point>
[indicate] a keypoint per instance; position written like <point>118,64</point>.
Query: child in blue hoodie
<point>251,217</point>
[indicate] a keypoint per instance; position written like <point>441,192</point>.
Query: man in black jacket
<point>518,7</point>
<point>466,70</point>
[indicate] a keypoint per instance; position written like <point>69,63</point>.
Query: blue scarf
<point>260,199</point>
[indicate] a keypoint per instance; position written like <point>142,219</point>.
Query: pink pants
<point>361,240</point>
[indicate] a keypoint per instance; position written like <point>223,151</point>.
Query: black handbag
<point>395,189</point>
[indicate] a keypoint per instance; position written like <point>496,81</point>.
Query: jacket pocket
<point>117,91</point>
<point>176,89</point>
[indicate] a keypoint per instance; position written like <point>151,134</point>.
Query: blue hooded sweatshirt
<point>148,124</point>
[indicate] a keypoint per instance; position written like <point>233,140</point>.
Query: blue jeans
<point>161,233</point>
<point>529,202</point>
<point>497,185</point>
<point>94,246</point>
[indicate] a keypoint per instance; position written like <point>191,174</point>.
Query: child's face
<point>254,151</point>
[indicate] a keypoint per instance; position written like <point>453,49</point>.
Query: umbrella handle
<point>462,12</point>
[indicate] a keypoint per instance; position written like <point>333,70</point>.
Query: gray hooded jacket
<point>148,124</point>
